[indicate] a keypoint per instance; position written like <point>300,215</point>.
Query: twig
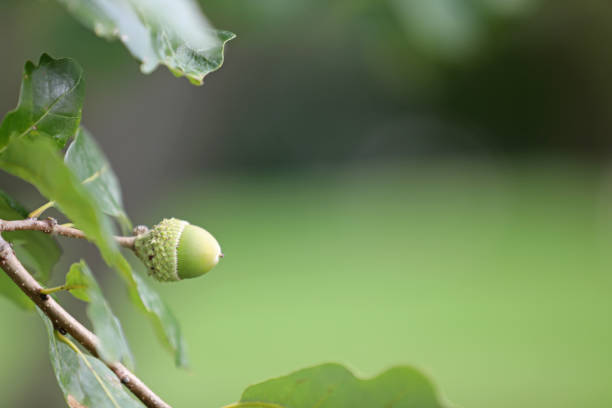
<point>62,320</point>
<point>50,226</point>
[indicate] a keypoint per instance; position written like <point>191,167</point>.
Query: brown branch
<point>61,319</point>
<point>50,226</point>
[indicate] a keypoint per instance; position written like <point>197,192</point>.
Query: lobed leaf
<point>39,252</point>
<point>35,159</point>
<point>85,380</point>
<point>113,344</point>
<point>333,386</point>
<point>87,161</point>
<point>50,102</point>
<point>170,32</point>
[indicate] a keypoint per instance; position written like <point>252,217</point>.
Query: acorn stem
<point>50,226</point>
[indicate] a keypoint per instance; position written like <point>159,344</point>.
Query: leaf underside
<point>169,32</point>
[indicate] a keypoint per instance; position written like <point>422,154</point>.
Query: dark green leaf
<point>85,380</point>
<point>333,386</point>
<point>39,252</point>
<point>169,32</point>
<point>50,102</point>
<point>87,161</point>
<point>113,344</point>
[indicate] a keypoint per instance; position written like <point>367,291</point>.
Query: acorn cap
<point>174,250</point>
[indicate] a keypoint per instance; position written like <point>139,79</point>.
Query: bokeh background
<point>393,182</point>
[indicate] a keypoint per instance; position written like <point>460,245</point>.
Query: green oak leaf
<point>113,344</point>
<point>37,162</point>
<point>50,102</point>
<point>333,386</point>
<point>38,252</point>
<point>169,32</point>
<point>35,159</point>
<point>84,380</point>
<point>87,161</point>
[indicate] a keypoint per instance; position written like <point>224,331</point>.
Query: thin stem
<point>61,319</point>
<point>50,226</point>
<point>37,212</point>
<point>50,291</point>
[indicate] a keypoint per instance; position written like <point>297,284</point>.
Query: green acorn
<point>174,250</point>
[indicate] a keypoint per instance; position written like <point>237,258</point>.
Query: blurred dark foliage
<point>360,83</point>
<point>317,82</point>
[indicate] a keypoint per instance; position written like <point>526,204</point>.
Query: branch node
<point>51,226</point>
<point>5,251</point>
<point>140,230</point>
<point>52,223</point>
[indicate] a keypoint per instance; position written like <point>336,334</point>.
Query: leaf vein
<point>50,107</point>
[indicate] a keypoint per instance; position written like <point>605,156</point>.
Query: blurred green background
<point>392,181</point>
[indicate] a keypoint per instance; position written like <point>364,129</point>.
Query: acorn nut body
<point>174,250</point>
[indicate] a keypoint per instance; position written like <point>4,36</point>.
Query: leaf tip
<point>45,58</point>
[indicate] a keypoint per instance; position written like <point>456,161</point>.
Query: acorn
<point>174,250</point>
